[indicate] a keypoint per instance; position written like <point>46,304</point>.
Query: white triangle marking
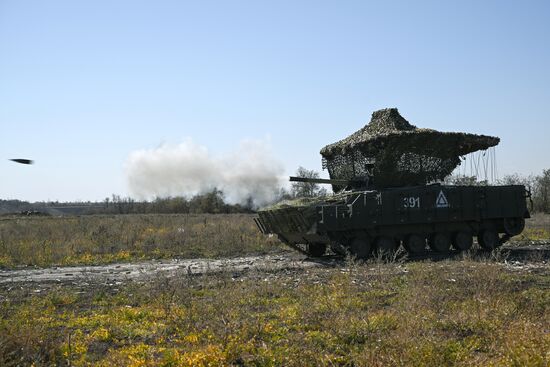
<point>441,201</point>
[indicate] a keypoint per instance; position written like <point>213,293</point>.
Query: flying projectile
<point>22,161</point>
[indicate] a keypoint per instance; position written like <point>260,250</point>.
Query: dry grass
<point>537,228</point>
<point>44,241</point>
<point>461,313</point>
<point>539,220</point>
<point>99,239</point>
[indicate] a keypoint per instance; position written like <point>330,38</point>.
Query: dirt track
<point>141,270</point>
<point>517,257</point>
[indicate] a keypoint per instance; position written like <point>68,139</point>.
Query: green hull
<point>436,215</point>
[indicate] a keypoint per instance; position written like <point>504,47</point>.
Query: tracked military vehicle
<point>387,178</point>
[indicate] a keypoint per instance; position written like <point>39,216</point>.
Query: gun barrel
<point>319,180</point>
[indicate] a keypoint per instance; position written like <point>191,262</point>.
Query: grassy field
<point>99,239</point>
<point>96,239</point>
<point>451,313</point>
<point>537,228</point>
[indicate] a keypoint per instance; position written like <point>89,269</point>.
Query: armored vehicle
<point>387,178</point>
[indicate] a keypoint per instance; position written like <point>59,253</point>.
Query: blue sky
<point>85,83</point>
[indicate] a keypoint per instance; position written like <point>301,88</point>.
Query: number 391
<point>411,202</point>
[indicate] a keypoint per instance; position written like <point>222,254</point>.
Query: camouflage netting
<point>399,153</point>
<point>310,201</point>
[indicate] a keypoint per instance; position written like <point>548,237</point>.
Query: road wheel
<point>385,246</point>
<point>415,243</point>
<point>338,249</point>
<point>488,239</point>
<point>316,249</point>
<point>462,241</point>
<point>440,242</point>
<point>360,247</point>
<point>514,226</point>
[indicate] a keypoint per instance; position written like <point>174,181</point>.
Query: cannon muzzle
<point>319,180</point>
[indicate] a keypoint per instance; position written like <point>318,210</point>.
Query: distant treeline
<point>212,202</point>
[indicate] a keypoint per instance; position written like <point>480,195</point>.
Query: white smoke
<point>188,169</point>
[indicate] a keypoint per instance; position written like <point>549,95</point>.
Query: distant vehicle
<point>388,193</point>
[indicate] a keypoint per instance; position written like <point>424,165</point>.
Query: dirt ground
<point>528,257</point>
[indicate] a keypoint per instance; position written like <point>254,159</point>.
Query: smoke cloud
<point>188,169</point>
